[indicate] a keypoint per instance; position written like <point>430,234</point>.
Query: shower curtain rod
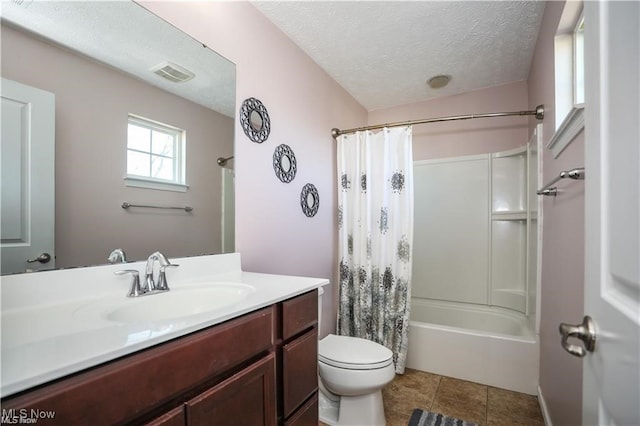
<point>538,112</point>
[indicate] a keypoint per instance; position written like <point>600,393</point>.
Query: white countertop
<point>50,328</point>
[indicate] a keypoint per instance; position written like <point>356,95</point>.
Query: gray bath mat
<point>427,418</point>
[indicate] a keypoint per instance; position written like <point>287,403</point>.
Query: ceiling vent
<point>23,3</point>
<point>173,72</point>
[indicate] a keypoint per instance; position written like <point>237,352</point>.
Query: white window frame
<point>569,112</point>
<point>578,63</point>
<point>179,141</point>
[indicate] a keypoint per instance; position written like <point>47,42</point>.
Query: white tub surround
<point>495,347</point>
<point>64,314</point>
<point>476,237</point>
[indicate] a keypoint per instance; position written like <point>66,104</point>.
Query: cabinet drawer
<point>300,370</point>
<point>125,389</point>
<point>299,313</point>
<point>307,415</point>
<point>246,398</point>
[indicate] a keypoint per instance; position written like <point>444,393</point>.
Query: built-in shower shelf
<point>509,215</point>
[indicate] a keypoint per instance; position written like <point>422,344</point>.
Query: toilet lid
<point>353,353</point>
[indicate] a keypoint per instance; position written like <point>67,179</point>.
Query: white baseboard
<point>543,408</point>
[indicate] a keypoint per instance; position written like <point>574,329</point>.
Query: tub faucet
<point>117,256</point>
<point>149,283</point>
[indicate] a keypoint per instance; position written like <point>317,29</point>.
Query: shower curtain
<point>375,221</point>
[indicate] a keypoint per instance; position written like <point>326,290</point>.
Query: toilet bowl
<point>352,372</point>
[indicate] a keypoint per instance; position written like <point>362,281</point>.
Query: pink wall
<point>451,139</point>
<point>562,289</point>
<point>304,103</point>
<point>92,104</point>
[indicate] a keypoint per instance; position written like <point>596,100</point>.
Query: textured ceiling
<point>383,52</point>
<point>128,37</point>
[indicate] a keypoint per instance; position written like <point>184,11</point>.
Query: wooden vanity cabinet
<point>235,373</point>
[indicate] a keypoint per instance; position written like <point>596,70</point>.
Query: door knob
<point>43,258</point>
<point>585,332</point>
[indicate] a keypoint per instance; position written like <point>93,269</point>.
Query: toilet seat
<point>353,353</point>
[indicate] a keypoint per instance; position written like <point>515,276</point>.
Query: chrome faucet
<point>149,285</point>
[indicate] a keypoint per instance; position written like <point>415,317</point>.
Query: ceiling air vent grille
<point>24,3</point>
<point>173,72</point>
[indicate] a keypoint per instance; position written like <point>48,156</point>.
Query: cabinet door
<point>300,370</point>
<point>174,417</point>
<point>246,398</point>
<point>307,415</point>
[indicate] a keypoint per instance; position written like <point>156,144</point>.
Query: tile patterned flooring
<point>484,405</point>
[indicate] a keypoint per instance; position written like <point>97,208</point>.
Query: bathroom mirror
<point>255,121</point>
<point>309,200</point>
<point>110,49</point>
<point>284,163</point>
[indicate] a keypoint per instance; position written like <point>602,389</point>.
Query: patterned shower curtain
<point>375,221</point>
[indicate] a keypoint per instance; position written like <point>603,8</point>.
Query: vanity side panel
<point>125,389</point>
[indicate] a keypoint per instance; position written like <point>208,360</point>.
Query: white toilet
<point>352,373</point>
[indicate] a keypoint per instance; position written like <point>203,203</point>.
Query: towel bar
<point>548,189</point>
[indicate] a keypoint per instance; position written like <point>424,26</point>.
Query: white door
<point>27,170</point>
<point>611,386</point>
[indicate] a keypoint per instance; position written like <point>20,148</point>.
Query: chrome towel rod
<point>223,161</point>
<point>126,205</point>
<point>548,189</point>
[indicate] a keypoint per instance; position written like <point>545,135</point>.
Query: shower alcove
<point>471,230</point>
<point>474,268</point>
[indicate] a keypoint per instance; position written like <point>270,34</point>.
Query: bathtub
<point>482,344</point>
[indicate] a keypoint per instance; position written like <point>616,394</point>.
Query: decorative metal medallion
<point>309,200</point>
<point>284,163</point>
<point>255,120</point>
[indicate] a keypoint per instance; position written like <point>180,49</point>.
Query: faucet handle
<point>135,290</point>
<point>162,277</point>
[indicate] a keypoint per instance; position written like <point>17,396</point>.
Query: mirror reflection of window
<point>155,151</point>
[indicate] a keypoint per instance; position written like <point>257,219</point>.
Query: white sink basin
<point>175,303</point>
